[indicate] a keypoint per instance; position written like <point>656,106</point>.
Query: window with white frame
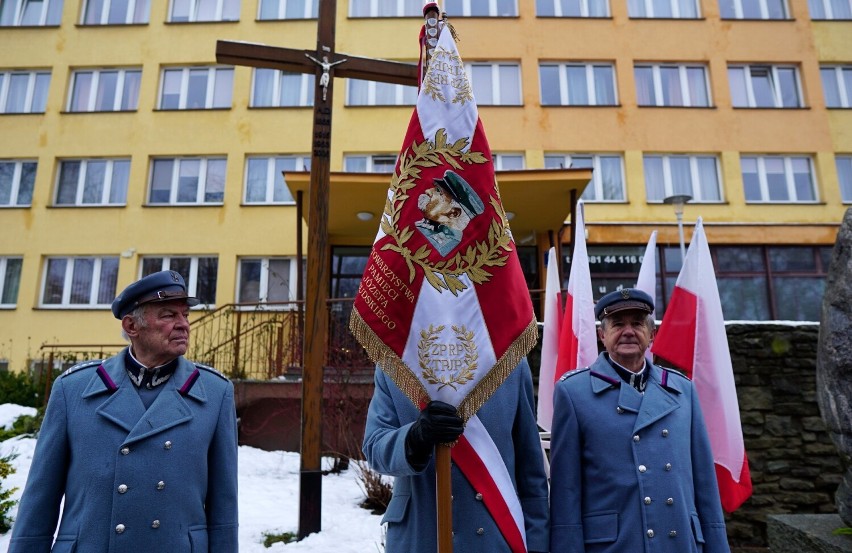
<point>844,177</point>
<point>572,8</point>
<point>197,88</point>
<point>495,84</point>
<point>270,10</point>
<point>481,8</point>
<point>663,9</point>
<point>369,163</point>
<point>277,89</point>
<point>17,179</point>
<point>183,11</point>
<point>671,174</point>
<point>607,184</point>
<point>577,84</point>
<point>830,9</point>
<point>116,12</point>
<point>371,93</point>
<point>788,179</point>
<point>264,181</point>
<point>92,182</point>
<point>198,271</point>
<point>23,91</point>
<point>386,8</point>
<point>187,181</point>
<point>837,84</point>
<point>79,282</point>
<point>753,9</point>
<point>10,280</point>
<point>672,85</point>
<point>508,162</point>
<point>104,90</point>
<point>30,13</point>
<point>765,86</point>
<point>267,280</point>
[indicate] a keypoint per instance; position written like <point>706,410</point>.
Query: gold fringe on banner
<point>388,360</point>
<point>498,374</point>
<point>402,375</point>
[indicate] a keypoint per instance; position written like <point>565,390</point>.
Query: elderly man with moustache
<point>142,446</point>
<point>631,466</point>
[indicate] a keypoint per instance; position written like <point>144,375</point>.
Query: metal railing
<point>256,341</point>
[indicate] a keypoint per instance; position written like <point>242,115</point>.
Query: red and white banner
<point>443,306</point>
<point>578,341</point>
<point>647,280</point>
<point>692,337</point>
<point>549,341</point>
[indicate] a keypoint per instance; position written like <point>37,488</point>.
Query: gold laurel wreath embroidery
<point>461,84</point>
<point>428,338</point>
<point>475,261</point>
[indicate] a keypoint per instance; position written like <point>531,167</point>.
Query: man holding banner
<point>444,311</point>
<point>398,433</point>
<point>631,467</point>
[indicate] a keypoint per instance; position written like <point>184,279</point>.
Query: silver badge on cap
<point>625,293</point>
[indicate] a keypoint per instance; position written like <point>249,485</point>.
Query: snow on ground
<point>269,499</point>
<point>9,412</point>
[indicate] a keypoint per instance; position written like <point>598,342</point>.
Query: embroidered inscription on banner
<point>447,362</point>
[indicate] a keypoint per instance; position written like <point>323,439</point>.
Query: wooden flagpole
<point>443,466</point>
<point>444,491</point>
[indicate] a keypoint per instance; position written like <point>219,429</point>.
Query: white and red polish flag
<point>692,337</point>
<point>578,341</point>
<point>549,341</point>
<point>443,306</point>
<point>647,280</point>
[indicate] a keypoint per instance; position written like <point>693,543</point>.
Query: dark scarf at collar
<point>144,377</point>
<point>637,380</point>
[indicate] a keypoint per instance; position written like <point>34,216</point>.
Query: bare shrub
<point>377,488</point>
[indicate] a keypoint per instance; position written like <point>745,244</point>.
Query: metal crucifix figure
<point>325,77</point>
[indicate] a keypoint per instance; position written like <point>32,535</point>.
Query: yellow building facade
<point>125,147</point>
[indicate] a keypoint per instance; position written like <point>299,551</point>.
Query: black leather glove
<point>438,423</point>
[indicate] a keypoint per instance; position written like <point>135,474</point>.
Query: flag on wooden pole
<point>549,342</point>
<point>578,341</point>
<point>692,337</point>
<point>443,306</point>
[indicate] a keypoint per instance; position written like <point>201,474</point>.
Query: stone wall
<point>795,467</point>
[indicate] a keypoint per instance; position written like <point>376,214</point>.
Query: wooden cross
<point>325,64</point>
